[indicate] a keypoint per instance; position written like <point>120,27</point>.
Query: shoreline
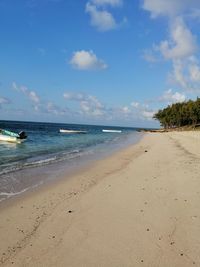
<point>138,207</point>
<point>31,179</point>
<point>68,174</point>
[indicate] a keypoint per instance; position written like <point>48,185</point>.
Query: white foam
<point>12,194</point>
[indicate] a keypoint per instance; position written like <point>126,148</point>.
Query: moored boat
<point>111,131</point>
<point>8,136</point>
<point>72,131</point>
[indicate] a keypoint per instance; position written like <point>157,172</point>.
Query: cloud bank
<point>92,107</point>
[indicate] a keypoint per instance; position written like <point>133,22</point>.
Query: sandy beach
<point>138,207</point>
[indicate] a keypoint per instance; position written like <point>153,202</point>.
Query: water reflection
<point>7,145</point>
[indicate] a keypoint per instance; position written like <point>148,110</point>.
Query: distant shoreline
<point>174,129</point>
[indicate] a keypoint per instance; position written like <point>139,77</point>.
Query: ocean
<point>48,154</point>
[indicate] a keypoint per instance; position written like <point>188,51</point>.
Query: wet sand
<point>139,207</point>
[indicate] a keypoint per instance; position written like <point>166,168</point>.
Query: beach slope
<point>139,207</point>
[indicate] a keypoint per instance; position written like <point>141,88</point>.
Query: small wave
<point>7,195</point>
<point>10,194</point>
<point>75,151</point>
<point>41,162</point>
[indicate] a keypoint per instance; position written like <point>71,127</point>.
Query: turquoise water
<point>47,147</point>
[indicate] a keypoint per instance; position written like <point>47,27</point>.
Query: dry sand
<point>134,208</point>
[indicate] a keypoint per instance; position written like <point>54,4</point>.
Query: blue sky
<point>112,62</point>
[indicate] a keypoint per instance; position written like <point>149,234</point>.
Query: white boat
<point>72,131</point>
<point>8,136</point>
<point>111,131</point>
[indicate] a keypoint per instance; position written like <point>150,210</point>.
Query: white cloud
<point>50,108</point>
<point>89,105</point>
<point>186,74</point>
<point>194,71</point>
<point>87,60</point>
<point>38,105</point>
<point>125,110</point>
<point>134,111</point>
<point>14,86</point>
<point>181,46</point>
<point>169,8</point>
<point>170,97</point>
<point>160,7</point>
<point>86,106</point>
<point>101,19</point>
<point>182,42</point>
<point>135,104</point>
<point>74,96</point>
<point>4,101</point>
<point>148,114</point>
<point>95,101</point>
<point>89,108</point>
<point>54,109</point>
<point>32,95</point>
<point>149,56</point>
<point>113,3</point>
<point>178,73</point>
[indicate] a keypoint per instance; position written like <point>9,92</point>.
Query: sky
<point>104,62</point>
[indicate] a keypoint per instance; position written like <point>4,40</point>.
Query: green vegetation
<point>180,114</point>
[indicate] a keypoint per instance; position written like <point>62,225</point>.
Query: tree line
<point>180,114</point>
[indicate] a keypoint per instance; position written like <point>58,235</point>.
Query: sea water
<point>47,152</point>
